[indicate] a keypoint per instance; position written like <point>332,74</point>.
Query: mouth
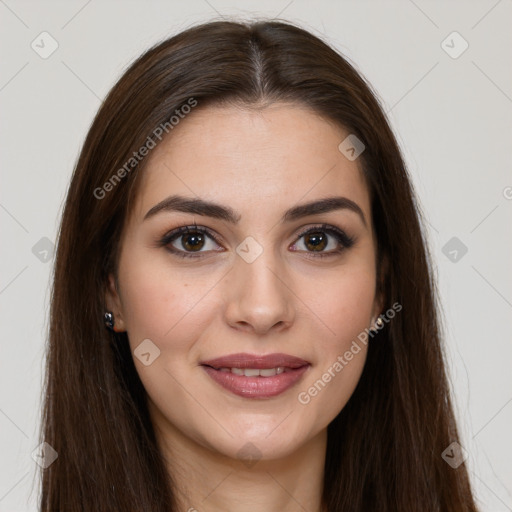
<point>255,376</point>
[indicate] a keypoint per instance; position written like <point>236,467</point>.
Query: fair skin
<point>260,163</point>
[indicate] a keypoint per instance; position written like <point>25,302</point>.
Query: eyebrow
<point>209,209</point>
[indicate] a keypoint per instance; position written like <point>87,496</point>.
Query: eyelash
<point>343,239</point>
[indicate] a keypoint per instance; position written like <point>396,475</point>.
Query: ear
<point>378,307</point>
<point>113,302</point>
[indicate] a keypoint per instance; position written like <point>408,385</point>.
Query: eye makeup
<point>201,234</point>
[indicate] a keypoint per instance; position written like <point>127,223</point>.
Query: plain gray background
<point>453,118</point>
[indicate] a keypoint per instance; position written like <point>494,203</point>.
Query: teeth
<point>255,372</point>
<point>249,372</point>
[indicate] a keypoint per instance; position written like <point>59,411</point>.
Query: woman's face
<point>261,275</point>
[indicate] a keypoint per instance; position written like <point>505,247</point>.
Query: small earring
<point>379,324</point>
<point>109,320</point>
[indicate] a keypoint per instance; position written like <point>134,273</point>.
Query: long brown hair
<point>384,448</point>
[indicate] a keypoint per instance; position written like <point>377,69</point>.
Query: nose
<point>259,298</point>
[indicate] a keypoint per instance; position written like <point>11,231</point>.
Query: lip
<point>257,361</point>
<point>256,387</point>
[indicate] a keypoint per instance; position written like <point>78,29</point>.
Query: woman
<point>243,313</point>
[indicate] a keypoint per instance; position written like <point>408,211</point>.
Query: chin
<point>251,439</point>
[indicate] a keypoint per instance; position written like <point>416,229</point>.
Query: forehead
<point>257,161</point>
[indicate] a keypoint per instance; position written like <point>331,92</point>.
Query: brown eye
<point>192,241</point>
<point>324,240</point>
<point>316,241</point>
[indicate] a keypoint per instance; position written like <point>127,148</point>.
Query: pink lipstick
<point>256,376</point>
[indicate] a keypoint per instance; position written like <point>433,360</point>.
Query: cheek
<point>345,308</point>
<point>158,303</point>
